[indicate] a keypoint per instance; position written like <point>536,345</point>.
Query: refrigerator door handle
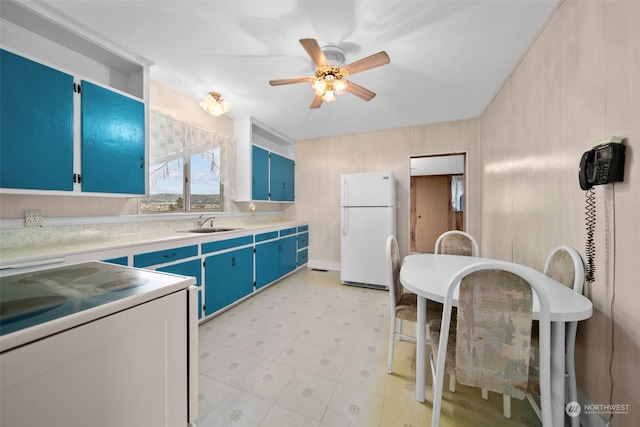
<point>344,193</point>
<point>344,222</point>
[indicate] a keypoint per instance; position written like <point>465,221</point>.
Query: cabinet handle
<point>170,255</point>
<point>141,162</point>
<point>233,261</point>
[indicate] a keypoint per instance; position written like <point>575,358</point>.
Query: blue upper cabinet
<point>282,178</point>
<point>36,125</point>
<point>42,62</point>
<point>272,176</point>
<point>113,142</point>
<point>260,173</point>
<point>38,131</point>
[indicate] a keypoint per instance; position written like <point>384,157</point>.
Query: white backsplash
<point>28,236</point>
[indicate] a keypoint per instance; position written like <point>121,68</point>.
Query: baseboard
<point>324,265</point>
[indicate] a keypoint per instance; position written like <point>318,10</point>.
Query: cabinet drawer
<point>303,240</point>
<point>303,257</point>
<point>221,245</point>
<point>303,228</point>
<point>266,236</point>
<point>288,232</point>
<point>164,256</point>
<point>123,260</point>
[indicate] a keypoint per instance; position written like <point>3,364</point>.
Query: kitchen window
<point>190,168</point>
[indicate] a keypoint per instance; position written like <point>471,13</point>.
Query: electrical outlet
<point>33,218</point>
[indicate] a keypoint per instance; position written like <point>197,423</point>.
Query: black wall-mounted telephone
<point>602,165</point>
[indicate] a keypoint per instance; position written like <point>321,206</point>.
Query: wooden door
<point>431,206</point>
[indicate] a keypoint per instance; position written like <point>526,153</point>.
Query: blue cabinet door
<point>281,178</point>
<point>288,254</point>
<point>218,273</point>
<point>267,263</point>
<point>260,174</point>
<point>228,277</point>
<point>243,273</point>
<point>36,125</point>
<point>191,268</point>
<point>112,131</point>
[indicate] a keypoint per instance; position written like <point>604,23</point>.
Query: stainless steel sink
<point>212,230</point>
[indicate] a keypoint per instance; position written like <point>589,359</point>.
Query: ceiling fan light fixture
<point>213,104</point>
<point>329,79</point>
<point>340,86</point>
<point>328,96</point>
<point>328,82</point>
<point>319,86</point>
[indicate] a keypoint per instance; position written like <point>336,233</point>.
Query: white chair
<point>565,265</point>
<point>493,334</point>
<point>404,304</point>
<point>456,242</point>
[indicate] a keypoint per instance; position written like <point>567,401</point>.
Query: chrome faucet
<point>200,222</point>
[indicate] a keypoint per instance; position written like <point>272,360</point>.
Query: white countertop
<point>51,250</point>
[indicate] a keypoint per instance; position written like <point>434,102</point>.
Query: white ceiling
<point>448,58</point>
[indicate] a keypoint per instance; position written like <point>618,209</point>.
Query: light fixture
<point>328,82</point>
<point>214,104</point>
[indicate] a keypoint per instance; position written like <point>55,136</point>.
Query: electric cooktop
<point>28,300</point>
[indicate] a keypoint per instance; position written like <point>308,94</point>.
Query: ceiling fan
<point>330,80</point>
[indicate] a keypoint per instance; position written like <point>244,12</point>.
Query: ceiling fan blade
<point>375,60</point>
<point>313,50</point>
<point>290,81</point>
<point>317,102</point>
<point>359,91</point>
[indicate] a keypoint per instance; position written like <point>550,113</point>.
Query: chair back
<point>507,292</point>
<point>393,265</point>
<point>456,242</point>
<point>565,266</point>
<point>494,332</point>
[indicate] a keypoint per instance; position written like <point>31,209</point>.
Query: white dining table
<point>428,275</point>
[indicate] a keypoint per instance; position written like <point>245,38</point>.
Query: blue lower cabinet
<point>191,268</point>
<point>303,240</point>
<point>267,263</point>
<point>288,255</point>
<point>303,257</point>
<point>164,256</point>
<point>123,260</point>
<point>274,259</point>
<point>228,278</point>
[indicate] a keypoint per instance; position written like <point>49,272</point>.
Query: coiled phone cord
<point>590,249</point>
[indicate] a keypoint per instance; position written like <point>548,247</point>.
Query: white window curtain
<point>171,139</point>
<point>457,191</point>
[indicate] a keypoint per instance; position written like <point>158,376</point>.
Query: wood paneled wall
<point>577,84</point>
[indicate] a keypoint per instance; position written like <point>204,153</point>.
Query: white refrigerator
<point>368,208</point>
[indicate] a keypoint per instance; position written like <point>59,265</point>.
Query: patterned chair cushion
<point>493,332</point>
<point>434,336</point>
<point>456,244</point>
<point>561,268</point>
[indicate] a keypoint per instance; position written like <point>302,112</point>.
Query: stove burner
<point>12,311</point>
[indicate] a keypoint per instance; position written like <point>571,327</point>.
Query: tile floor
<point>309,351</point>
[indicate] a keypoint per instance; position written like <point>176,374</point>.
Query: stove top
<point>31,299</point>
